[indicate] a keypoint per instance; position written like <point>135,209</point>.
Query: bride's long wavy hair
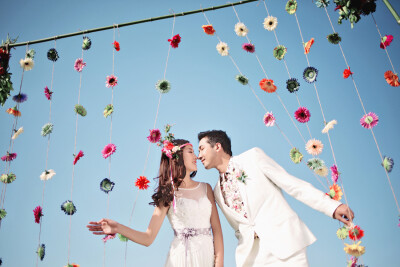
<point>164,194</point>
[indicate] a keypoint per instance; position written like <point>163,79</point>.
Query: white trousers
<point>265,259</point>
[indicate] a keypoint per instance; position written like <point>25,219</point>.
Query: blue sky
<point>204,96</point>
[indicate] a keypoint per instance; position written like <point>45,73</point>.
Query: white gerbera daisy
<point>323,171</point>
<point>223,48</point>
<point>241,29</point>
<point>270,23</point>
<point>47,175</point>
<point>329,126</point>
<point>17,133</point>
<point>27,64</point>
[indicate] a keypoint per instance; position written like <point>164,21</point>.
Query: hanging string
<point>365,113</point>
<point>11,144</point>
<point>73,165</point>
<point>154,125</point>
<point>255,94</point>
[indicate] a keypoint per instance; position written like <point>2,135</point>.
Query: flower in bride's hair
<point>241,29</point>
<point>142,183</point>
<point>269,119</point>
<point>38,213</point>
<point>223,48</point>
<point>314,147</point>
<point>270,23</point>
<point>108,150</point>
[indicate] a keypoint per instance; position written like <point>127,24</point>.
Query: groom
<point>249,194</point>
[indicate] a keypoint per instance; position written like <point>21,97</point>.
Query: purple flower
<point>20,98</point>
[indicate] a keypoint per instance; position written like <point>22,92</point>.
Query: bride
<point>189,206</point>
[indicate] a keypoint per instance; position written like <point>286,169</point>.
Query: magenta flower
<point>9,157</point>
<point>47,93</point>
<point>155,136</point>
<point>111,81</point>
<point>369,120</point>
<point>269,119</point>
<point>108,237</point>
<point>38,213</point>
<point>79,64</point>
<point>302,115</point>
<point>77,157</point>
<point>335,173</point>
<point>108,150</point>
<point>386,40</point>
<point>248,47</point>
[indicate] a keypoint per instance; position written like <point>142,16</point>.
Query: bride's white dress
<point>193,243</point>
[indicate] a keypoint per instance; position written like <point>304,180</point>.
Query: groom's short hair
<point>217,136</point>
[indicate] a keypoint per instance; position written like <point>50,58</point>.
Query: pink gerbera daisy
<point>79,64</point>
<point>47,93</point>
<point>111,81</point>
<point>155,136</point>
<point>248,47</point>
<point>108,237</point>
<point>335,173</point>
<point>269,119</point>
<point>314,147</point>
<point>38,213</point>
<point>9,157</point>
<point>386,40</point>
<point>77,157</point>
<point>108,150</point>
<point>369,120</point>
<point>302,115</point>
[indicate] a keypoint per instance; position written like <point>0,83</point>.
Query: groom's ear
<point>218,147</point>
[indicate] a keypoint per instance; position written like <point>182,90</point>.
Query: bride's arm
<point>107,226</point>
<point>217,231</point>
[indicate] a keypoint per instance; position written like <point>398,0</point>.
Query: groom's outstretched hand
<point>344,214</point>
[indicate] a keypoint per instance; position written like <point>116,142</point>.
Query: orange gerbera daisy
<point>335,192</point>
<point>14,111</point>
<point>142,183</point>
<point>267,85</point>
<point>392,78</point>
<point>308,45</point>
<point>208,29</point>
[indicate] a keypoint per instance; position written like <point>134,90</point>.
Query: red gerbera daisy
<point>208,29</point>
<point>77,157</point>
<point>116,45</point>
<point>175,41</point>
<point>302,115</point>
<point>356,233</point>
<point>38,213</point>
<point>142,183</point>
<point>347,73</point>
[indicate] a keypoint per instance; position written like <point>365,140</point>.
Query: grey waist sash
<point>186,233</point>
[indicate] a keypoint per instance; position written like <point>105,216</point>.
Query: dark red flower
<point>356,233</point>
<point>77,157</point>
<point>116,45</point>
<point>47,93</point>
<point>347,73</point>
<point>38,213</point>
<point>142,183</point>
<point>175,41</point>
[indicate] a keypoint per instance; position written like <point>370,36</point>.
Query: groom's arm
<point>295,187</point>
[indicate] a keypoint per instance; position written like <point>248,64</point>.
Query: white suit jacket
<point>280,230</point>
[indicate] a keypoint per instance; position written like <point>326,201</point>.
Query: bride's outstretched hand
<point>103,227</point>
